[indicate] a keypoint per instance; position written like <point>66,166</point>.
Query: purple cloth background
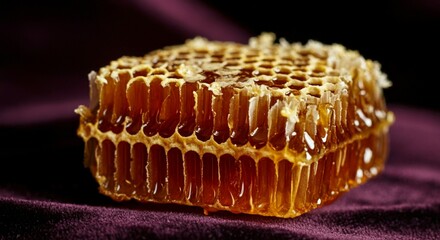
<point>46,193</point>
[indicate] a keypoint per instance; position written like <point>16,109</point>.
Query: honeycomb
<point>268,128</point>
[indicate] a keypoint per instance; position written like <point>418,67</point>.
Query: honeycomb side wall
<point>142,147</point>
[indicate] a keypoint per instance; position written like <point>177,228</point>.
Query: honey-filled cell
<point>106,164</point>
<point>210,178</point>
<point>246,183</point>
<point>264,185</point>
<point>229,177</point>
<point>193,182</point>
<point>284,187</point>
<point>157,172</point>
<point>155,98</point>
<point>123,179</point>
<point>175,174</point>
<point>137,98</point>
<point>138,170</point>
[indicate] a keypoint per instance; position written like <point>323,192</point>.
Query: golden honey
<point>274,129</point>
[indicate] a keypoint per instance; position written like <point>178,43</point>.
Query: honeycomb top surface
<point>305,71</point>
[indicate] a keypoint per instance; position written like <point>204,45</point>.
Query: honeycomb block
<point>274,129</point>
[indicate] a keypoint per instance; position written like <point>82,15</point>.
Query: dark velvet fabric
<point>46,193</point>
